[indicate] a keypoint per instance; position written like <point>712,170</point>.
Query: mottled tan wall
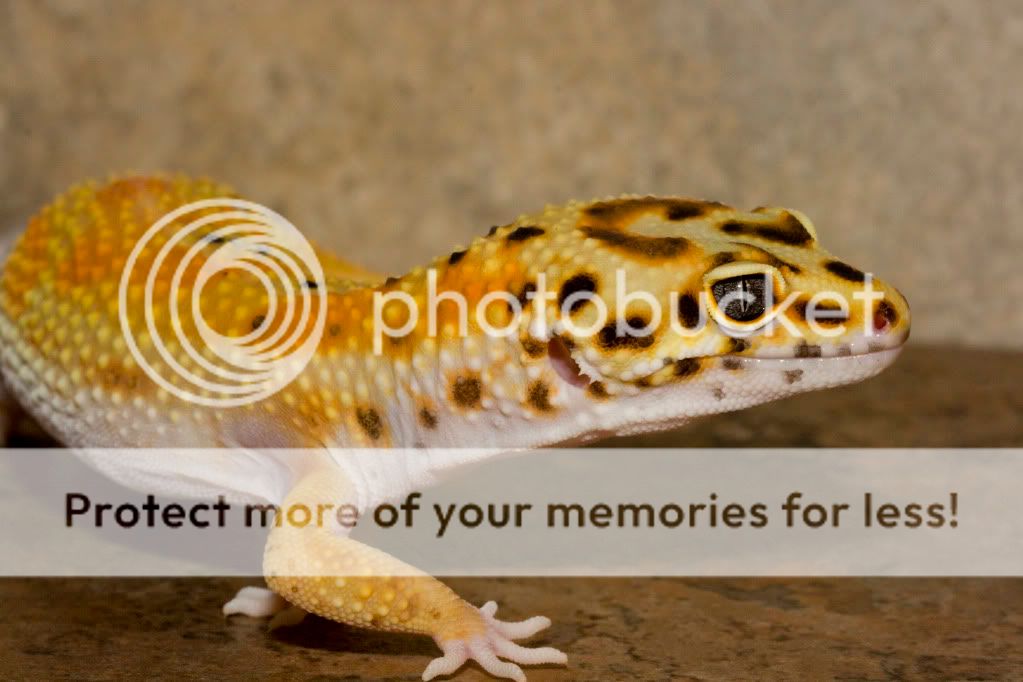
<point>397,130</point>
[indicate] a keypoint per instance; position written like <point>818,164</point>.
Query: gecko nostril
<point>564,364</point>
<point>884,317</point>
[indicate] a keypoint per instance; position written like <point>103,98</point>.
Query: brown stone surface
<point>613,629</point>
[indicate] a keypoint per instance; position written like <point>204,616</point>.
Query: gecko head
<point>639,313</point>
<point>672,308</point>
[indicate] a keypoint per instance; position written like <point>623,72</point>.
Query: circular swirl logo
<point>200,246</point>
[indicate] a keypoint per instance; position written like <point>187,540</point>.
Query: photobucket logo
<point>742,306</point>
<point>212,368</point>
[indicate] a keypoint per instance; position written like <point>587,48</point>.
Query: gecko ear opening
<point>564,364</point>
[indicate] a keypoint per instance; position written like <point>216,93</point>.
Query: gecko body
<point>568,372</point>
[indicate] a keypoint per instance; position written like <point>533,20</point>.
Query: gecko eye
<point>742,298</point>
<point>741,295</point>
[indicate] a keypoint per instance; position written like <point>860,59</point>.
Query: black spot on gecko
<point>846,272</point>
<point>334,329</point>
<point>609,338</point>
<point>258,321</point>
<point>793,375</point>
<point>805,350</point>
<point>492,231</point>
<point>527,288</point>
<point>618,214</point>
<point>784,265</point>
<point>826,314</point>
<point>522,297</point>
<point>789,231</point>
<point>638,244</point>
<point>534,348</point>
<point>719,394</point>
<point>391,281</point>
<point>466,392</point>
<point>597,390</point>
<point>686,367</point>
<point>575,284</point>
<point>456,256</point>
<point>370,422</point>
<point>311,284</point>
<point>427,418</point>
<point>723,258</point>
<point>737,345</point>
<point>521,234</point>
<point>732,364</point>
<point>771,259</point>
<point>681,210</point>
<point>538,395</point>
<point>689,311</point>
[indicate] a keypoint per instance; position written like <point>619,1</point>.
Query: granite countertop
<point>612,629</point>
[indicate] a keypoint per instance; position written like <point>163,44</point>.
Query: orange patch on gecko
<point>134,189</point>
<point>464,293</point>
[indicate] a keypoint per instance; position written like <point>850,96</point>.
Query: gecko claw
<point>496,642</point>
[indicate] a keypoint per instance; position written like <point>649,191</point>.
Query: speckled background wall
<point>396,130</point>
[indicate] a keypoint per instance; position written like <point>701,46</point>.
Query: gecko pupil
<point>742,298</point>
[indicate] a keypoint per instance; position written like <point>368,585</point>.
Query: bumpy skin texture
<point>65,358</point>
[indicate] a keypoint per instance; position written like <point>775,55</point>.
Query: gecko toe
<point>517,629</point>
<point>455,654</point>
<point>530,656</point>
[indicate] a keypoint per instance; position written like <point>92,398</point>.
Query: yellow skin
<point>64,357</point>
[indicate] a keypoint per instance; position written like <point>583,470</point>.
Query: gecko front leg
<point>322,571</point>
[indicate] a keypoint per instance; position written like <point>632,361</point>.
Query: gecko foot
<point>495,642</point>
<point>257,602</point>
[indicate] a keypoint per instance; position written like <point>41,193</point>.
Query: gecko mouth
<point>575,371</point>
<point>565,365</point>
